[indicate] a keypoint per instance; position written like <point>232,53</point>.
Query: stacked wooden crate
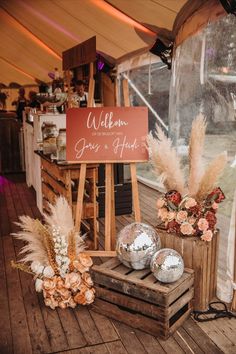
<point>139,300</point>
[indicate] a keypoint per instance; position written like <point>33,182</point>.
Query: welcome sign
<point>106,134</point>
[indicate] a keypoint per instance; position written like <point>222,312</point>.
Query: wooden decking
<point>28,326</point>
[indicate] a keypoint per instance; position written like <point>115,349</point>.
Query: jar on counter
<point>61,145</point>
<point>49,133</point>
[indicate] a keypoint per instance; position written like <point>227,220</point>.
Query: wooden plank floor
<point>27,326</point>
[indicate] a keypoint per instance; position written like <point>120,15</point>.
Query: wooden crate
<point>200,256</point>
<point>139,300</point>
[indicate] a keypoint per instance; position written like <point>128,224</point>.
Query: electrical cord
<point>213,312</point>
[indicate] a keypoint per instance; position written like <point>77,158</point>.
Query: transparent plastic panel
<point>149,87</point>
<point>204,80</point>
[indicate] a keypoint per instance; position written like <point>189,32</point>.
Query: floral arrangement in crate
<point>187,208</point>
<point>54,255</point>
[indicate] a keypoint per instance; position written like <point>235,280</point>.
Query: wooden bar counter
<point>62,178</point>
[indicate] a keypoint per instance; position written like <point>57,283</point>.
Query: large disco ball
<point>167,265</point>
<point>136,244</point>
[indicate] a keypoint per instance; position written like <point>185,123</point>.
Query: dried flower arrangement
<point>187,209</point>
<point>54,255</point>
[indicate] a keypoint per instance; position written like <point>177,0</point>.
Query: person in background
<point>80,97</point>
<point>3,98</point>
<point>33,101</point>
<point>20,103</point>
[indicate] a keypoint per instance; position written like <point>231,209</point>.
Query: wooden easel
<point>82,176</point>
<point>110,227</point>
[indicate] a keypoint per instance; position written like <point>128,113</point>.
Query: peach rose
<point>60,282</point>
<point>85,260</point>
<point>62,305</point>
<point>49,285</point>
<point>207,236</point>
<point>87,279</point>
<point>202,224</point>
<point>79,267</point>
<point>72,303</point>
<point>171,215</point>
<point>160,203</point>
<point>215,205</point>
<point>65,293</point>
<point>80,298</point>
<point>191,202</point>
<point>89,296</point>
<point>163,214</point>
<point>51,302</point>
<point>181,216</point>
<point>186,229</point>
<point>72,280</point>
<point>192,220</point>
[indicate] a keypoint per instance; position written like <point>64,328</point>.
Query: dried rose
<point>51,302</point>
<point>181,216</point>
<point>163,214</point>
<point>65,293</point>
<point>202,224</point>
<point>173,196</point>
<point>87,279</point>
<point>190,202</point>
<point>195,210</point>
<point>80,298</point>
<point>186,229</point>
<point>89,296</point>
<point>215,206</point>
<point>79,267</point>
<point>71,303</point>
<point>207,236</point>
<point>49,284</point>
<point>72,280</point>
<point>211,218</point>
<point>173,226</point>
<point>217,195</point>
<point>192,220</point>
<point>62,305</point>
<point>85,260</point>
<point>160,203</point>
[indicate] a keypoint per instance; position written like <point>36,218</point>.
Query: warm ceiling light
<point>18,69</point>
<point>30,35</point>
<point>121,16</point>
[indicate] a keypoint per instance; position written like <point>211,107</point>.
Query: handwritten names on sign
<point>107,134</point>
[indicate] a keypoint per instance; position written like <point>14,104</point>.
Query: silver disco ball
<point>136,244</point>
<point>167,265</point>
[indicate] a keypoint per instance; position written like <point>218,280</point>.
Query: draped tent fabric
<point>35,33</point>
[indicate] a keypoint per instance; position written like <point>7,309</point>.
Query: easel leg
<point>95,223</point>
<point>108,205</point>
<point>135,194</point>
<point>80,196</point>
<point>113,217</point>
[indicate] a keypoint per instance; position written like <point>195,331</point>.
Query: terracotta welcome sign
<point>106,134</point>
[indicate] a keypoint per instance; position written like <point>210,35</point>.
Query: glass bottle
<point>49,133</point>
<point>61,145</point>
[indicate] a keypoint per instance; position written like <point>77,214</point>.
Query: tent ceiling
<point>34,33</point>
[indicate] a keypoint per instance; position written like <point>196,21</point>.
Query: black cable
<point>213,312</point>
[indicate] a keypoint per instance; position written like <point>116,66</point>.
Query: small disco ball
<point>167,265</point>
<point>136,244</point>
